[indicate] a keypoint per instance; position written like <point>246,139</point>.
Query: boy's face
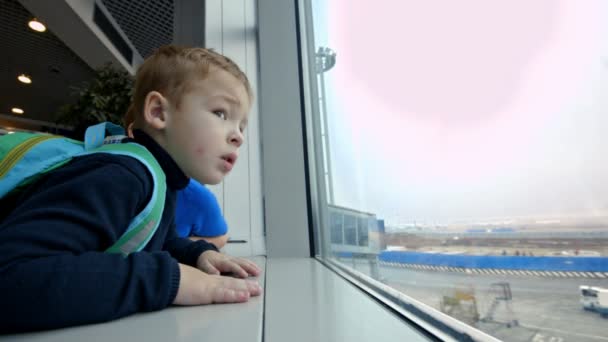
<point>204,134</point>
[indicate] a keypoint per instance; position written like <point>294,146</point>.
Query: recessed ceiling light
<point>23,78</point>
<point>17,110</point>
<point>35,25</point>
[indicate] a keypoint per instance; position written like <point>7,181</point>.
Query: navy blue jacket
<point>53,271</point>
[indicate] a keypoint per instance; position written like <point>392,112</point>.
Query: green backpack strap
<point>144,225</point>
<point>24,157</point>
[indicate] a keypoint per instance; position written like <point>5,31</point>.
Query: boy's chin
<point>209,180</point>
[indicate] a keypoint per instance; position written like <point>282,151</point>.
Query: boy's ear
<point>155,110</point>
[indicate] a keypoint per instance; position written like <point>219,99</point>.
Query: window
<point>350,230</point>
<point>336,228</point>
<point>461,152</point>
<point>362,231</point>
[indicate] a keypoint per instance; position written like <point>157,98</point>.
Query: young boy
<point>191,106</point>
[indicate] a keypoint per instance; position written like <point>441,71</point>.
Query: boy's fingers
<point>239,270</point>
<point>233,267</point>
<point>236,290</point>
<point>239,267</point>
<point>208,268</point>
<point>229,294</point>
<point>251,286</point>
<point>250,267</point>
<point>254,288</point>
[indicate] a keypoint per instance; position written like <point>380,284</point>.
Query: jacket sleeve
<point>52,267</point>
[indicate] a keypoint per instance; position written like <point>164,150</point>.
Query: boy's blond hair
<point>171,69</point>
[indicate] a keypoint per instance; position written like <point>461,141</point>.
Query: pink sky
<point>459,93</point>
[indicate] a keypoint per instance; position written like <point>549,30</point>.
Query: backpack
<point>24,157</point>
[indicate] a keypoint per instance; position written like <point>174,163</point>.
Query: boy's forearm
<point>65,290</point>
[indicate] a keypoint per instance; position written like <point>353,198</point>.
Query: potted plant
<point>105,98</point>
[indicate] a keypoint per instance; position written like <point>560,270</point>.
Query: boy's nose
<point>236,138</point>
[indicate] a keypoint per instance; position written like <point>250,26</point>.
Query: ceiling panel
<point>54,68</point>
<point>51,64</point>
<point>150,28</point>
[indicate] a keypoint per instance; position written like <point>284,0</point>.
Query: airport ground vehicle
<point>595,299</point>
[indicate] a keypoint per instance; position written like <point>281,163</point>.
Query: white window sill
<point>304,301</point>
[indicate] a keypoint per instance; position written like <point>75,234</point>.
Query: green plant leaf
<point>104,98</point>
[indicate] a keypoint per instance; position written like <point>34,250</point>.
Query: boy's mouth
<point>230,160</point>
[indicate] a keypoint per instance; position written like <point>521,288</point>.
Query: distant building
<point>355,231</point>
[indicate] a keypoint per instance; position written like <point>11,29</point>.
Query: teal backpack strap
<point>26,156</point>
<point>144,225</point>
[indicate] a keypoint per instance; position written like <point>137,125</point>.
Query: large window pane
<point>362,231</point>
<point>350,230</point>
<point>463,147</point>
<point>337,231</point>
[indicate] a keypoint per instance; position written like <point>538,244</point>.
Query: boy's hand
<point>213,262</point>
<point>196,288</point>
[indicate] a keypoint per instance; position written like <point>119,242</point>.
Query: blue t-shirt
<point>198,213</point>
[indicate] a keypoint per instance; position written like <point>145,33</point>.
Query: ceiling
<point>150,28</point>
<point>53,67</point>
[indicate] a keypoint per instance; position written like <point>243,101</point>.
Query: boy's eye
<point>220,113</point>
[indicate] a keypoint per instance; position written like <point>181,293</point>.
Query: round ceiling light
<point>17,110</point>
<point>23,78</point>
<point>35,25</point>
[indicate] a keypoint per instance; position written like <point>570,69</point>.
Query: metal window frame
<point>285,175</point>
